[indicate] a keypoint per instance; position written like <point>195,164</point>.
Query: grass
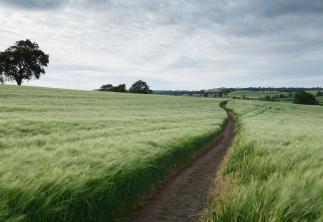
<point>313,91</point>
<point>89,156</point>
<point>275,167</point>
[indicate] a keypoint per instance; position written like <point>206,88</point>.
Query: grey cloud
<point>35,4</point>
<point>277,7</point>
<point>184,62</point>
<point>172,40</point>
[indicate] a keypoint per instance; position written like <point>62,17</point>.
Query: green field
<point>313,91</point>
<point>275,169</point>
<point>89,156</point>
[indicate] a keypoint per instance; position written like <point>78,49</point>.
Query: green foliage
<point>23,61</point>
<point>282,96</point>
<point>89,156</point>
<point>268,98</point>
<point>319,93</point>
<point>302,97</point>
<point>276,164</point>
<point>111,88</point>
<point>253,94</point>
<point>140,87</point>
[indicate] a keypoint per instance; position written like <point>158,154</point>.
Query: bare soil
<point>184,195</point>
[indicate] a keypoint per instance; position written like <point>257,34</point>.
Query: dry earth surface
<point>184,195</point>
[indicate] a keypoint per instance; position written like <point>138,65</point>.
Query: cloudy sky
<point>171,44</point>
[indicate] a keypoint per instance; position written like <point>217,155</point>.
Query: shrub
<point>111,88</point>
<point>302,97</point>
<point>282,96</point>
<point>319,93</point>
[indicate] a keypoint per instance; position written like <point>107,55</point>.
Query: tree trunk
<point>19,81</point>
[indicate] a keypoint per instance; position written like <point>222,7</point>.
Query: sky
<point>171,44</point>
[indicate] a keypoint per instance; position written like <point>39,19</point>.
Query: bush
<point>267,98</point>
<point>319,93</point>
<point>111,88</point>
<point>302,97</point>
<point>282,96</point>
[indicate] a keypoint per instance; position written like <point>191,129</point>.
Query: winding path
<point>183,196</point>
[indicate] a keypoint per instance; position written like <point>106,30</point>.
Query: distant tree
<point>140,87</point>
<point>107,88</point>
<point>111,88</point>
<point>121,88</point>
<point>23,61</point>
<point>206,94</point>
<point>302,97</point>
<point>220,94</point>
<point>243,96</point>
<point>290,94</point>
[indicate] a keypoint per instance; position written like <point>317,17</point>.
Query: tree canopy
<point>302,97</point>
<point>111,88</point>
<point>23,61</point>
<point>140,87</point>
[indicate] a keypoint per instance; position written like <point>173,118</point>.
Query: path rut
<point>184,196</point>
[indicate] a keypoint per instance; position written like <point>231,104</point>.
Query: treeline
<point>273,98</point>
<point>218,92</point>
<point>294,94</point>
<point>279,89</point>
<point>298,97</point>
<point>138,87</point>
<point>205,93</point>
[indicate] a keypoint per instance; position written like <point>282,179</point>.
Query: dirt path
<point>184,196</point>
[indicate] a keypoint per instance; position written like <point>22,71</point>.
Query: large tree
<point>140,87</point>
<point>23,61</point>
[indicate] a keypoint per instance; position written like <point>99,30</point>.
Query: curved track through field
<point>184,195</point>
